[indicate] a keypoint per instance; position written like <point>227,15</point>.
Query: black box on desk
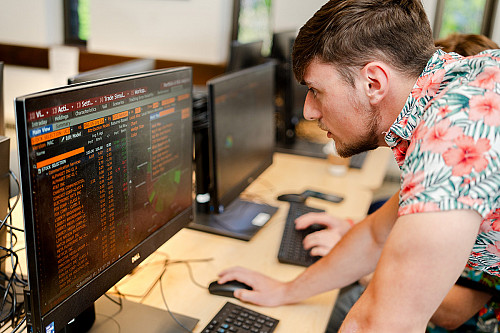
<point>4,188</point>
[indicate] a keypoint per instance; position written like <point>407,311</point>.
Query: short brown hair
<point>351,33</point>
<point>466,44</point>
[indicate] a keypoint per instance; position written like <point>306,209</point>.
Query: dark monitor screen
<point>124,68</point>
<point>244,55</point>
<point>241,137</point>
<point>281,48</point>
<point>241,107</point>
<point>106,178</point>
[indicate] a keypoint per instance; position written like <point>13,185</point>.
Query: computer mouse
<point>315,227</point>
<point>226,289</point>
<point>292,198</point>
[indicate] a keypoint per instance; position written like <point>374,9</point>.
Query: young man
<point>472,305</point>
<point>375,78</point>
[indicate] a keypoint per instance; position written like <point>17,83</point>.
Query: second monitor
<point>238,147</point>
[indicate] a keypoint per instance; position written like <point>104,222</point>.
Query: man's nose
<point>310,110</point>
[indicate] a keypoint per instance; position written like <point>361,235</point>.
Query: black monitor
<point>281,45</point>
<point>123,68</point>
<point>106,178</point>
<point>238,148</point>
<point>290,98</point>
<point>244,55</point>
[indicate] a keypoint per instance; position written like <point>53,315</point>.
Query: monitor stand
<point>135,317</point>
<point>241,220</point>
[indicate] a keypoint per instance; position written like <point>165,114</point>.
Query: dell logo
<point>136,257</point>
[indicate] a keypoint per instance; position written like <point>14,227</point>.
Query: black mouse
<point>226,289</point>
<point>292,198</point>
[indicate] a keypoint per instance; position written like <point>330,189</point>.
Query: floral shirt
<point>446,141</point>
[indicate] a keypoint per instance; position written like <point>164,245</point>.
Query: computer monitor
<point>244,55</point>
<point>240,146</point>
<point>281,45</point>
<point>123,68</point>
<point>290,98</point>
<point>106,178</point>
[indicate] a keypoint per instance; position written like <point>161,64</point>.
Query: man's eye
<point>312,91</point>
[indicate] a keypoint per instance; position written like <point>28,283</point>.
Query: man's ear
<point>375,79</point>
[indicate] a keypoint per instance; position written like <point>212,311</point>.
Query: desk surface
<point>288,174</point>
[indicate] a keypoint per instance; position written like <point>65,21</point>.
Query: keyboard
<point>233,318</point>
<point>291,249</point>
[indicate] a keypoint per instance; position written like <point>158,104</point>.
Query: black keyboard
<point>233,318</point>
<point>291,249</point>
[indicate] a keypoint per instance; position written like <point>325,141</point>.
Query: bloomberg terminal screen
<point>109,165</point>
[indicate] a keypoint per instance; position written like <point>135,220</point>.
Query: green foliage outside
<point>462,16</point>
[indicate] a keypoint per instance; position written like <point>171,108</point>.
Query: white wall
<point>291,15</point>
<point>32,22</point>
<point>192,31</point>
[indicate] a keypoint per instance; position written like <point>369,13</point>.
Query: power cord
<point>159,280</point>
<point>11,310</point>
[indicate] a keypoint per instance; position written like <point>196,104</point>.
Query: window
<point>464,16</point>
<point>252,22</point>
<point>76,21</point>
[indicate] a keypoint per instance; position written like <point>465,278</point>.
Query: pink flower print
<point>439,138</point>
<point>494,249</point>
<point>487,78</point>
<point>403,122</point>
<point>443,111</point>
<point>495,225</point>
<point>485,107</point>
<point>467,155</point>
<point>419,207</point>
<point>412,184</point>
<point>468,201</point>
<point>428,85</point>
<point>399,152</point>
<point>486,226</point>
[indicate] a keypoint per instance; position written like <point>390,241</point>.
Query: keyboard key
<point>251,321</point>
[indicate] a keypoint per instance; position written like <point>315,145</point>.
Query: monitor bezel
<point>123,68</point>
<point>220,201</point>
<point>85,296</point>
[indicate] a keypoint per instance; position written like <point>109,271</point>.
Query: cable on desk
<point>11,310</point>
<point>158,280</point>
<point>168,309</point>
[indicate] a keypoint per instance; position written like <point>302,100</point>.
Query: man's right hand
<point>265,290</point>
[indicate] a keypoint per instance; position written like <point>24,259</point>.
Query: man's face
<point>340,109</point>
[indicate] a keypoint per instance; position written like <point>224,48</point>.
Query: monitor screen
<point>106,178</point>
<point>244,55</point>
<point>241,111</point>
<point>281,48</point>
<point>124,68</point>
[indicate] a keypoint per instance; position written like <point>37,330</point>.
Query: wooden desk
<point>288,174</point>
